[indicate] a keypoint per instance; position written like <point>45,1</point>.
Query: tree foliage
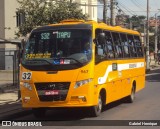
<point>137,22</point>
<point>40,12</point>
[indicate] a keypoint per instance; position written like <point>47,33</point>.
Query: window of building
<point>20,18</point>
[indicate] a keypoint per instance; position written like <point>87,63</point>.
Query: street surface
<point>145,107</point>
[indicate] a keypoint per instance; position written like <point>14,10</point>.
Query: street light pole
<point>113,3</point>
<point>156,30</point>
<point>147,38</point>
<point>144,27</point>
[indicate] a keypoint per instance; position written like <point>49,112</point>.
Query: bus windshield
<point>59,47</point>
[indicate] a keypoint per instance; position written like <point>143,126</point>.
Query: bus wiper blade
<point>35,61</point>
<point>78,62</point>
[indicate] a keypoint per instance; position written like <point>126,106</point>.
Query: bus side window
<point>132,46</point>
<point>100,41</point>
<point>125,45</point>
<point>138,46</point>
<point>117,45</point>
<point>109,46</point>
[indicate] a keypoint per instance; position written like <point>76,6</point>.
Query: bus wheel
<point>96,110</point>
<point>39,112</point>
<point>131,97</point>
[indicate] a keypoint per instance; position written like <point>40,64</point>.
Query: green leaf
<point>39,13</point>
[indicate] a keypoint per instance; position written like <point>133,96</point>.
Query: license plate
<point>52,92</point>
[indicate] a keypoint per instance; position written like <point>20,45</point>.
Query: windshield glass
<point>58,47</point>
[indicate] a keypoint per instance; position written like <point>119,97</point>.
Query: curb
<point>6,71</point>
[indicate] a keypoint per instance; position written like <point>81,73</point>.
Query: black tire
<point>96,110</point>
<point>131,97</point>
<point>39,112</point>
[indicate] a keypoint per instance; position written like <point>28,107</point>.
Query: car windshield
<point>56,47</point>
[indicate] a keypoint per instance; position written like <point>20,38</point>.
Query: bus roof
<point>82,23</point>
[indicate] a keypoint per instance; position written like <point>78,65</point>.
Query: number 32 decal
<point>26,75</point>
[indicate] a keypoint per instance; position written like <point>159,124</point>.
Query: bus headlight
<point>27,85</point>
<point>83,82</point>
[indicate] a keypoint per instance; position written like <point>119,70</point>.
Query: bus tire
<point>97,109</point>
<point>131,97</point>
<point>39,112</point>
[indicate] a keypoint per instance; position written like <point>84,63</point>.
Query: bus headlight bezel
<point>82,82</point>
<point>27,85</point>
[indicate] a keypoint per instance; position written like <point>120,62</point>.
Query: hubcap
<point>99,106</point>
<point>132,95</point>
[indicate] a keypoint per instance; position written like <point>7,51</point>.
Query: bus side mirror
<point>101,35</point>
<point>101,38</point>
<point>95,42</point>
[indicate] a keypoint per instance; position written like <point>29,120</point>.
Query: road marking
<point>12,102</point>
<point>152,74</point>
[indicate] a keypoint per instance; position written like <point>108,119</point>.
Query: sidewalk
<point>8,97</point>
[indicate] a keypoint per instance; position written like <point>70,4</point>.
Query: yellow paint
<point>117,85</point>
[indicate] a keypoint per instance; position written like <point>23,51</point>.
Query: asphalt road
<point>145,107</point>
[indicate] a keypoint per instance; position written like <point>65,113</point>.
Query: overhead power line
<point>136,4</point>
<point>127,9</point>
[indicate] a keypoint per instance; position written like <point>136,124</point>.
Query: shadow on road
<point>72,114</point>
<point>54,114</point>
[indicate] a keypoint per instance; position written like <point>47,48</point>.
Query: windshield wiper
<point>40,61</point>
<point>35,61</point>
<point>78,62</point>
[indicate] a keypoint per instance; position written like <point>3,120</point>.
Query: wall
<point>10,18</point>
<point>2,34</point>
<point>89,7</point>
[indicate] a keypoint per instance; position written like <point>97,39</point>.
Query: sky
<point>134,7</point>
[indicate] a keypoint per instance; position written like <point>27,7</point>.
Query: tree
<point>137,22</point>
<point>39,13</point>
<point>104,9</point>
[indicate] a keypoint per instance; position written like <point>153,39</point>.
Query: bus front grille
<point>52,91</point>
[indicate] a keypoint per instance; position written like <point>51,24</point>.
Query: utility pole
<point>156,33</point>
<point>156,30</point>
<point>105,11</point>
<point>71,1</point>
<point>147,39</point>
<point>144,25</point>
<point>113,3</point>
<point>130,24</point>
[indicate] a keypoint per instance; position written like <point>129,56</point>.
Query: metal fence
<point>9,64</point>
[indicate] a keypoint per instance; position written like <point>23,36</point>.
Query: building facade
<point>10,20</point>
<point>152,22</point>
<point>88,7</point>
<point>8,28</point>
